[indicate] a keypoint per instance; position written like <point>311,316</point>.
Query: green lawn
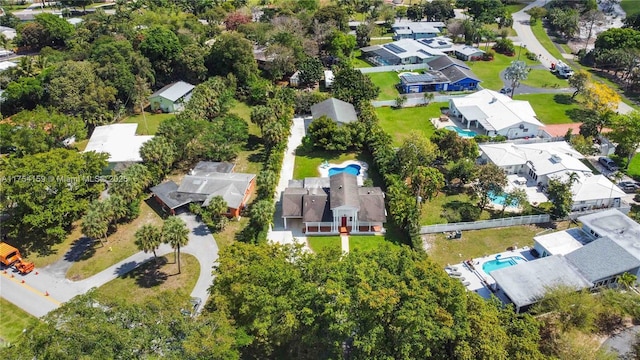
<point>13,320</point>
<point>634,167</point>
<point>307,162</point>
<point>432,210</point>
<point>381,41</point>
<point>152,122</point>
<point>387,82</point>
<point>478,243</point>
<point>152,277</point>
<point>553,108</point>
<point>357,61</point>
<point>489,71</point>
<point>540,78</point>
<point>322,243</point>
<point>364,243</point>
<point>540,33</point>
<point>513,8</point>
<point>630,7</point>
<point>400,123</point>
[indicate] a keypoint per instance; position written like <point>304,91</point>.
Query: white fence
<point>487,224</point>
<point>408,67</point>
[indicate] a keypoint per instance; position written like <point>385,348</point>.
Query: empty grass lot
<point>13,320</point>
<point>553,108</point>
<point>401,123</point>
<point>150,126</point>
<point>432,209</point>
<point>387,82</point>
<point>121,244</point>
<point>489,71</point>
<point>478,243</point>
<point>152,277</point>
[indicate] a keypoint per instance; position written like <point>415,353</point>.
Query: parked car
<point>608,163</point>
<point>506,90</point>
<point>629,186</point>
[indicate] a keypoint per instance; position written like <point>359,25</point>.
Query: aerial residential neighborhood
<point>320,179</point>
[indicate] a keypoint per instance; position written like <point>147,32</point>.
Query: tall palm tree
<point>176,234</point>
<point>627,280</point>
<point>95,226</point>
<point>148,238</point>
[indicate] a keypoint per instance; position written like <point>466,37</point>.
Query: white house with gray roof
<point>172,97</point>
<point>403,29</point>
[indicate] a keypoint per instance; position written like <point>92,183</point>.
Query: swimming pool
<point>352,169</point>
<point>500,263</point>
<point>462,132</point>
<point>498,199</point>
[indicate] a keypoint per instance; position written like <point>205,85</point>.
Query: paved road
<point>621,343</point>
<point>46,289</point>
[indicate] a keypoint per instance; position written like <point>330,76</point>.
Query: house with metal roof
<point>172,97</point>
<point>206,181</point>
<point>337,110</point>
<point>401,52</point>
<point>403,29</point>
<point>119,141</point>
<point>467,53</point>
<point>496,114</point>
<point>334,204</point>
<point>544,161</point>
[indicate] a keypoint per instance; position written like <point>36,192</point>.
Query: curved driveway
<point>46,289</point>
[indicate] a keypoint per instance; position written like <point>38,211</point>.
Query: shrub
<point>531,56</point>
<point>489,55</point>
<point>505,46</point>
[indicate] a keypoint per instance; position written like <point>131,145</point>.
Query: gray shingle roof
<point>292,201</point>
<point>231,186</point>
<point>166,192</point>
<point>204,168</point>
<point>602,259</point>
<point>344,190</point>
<point>175,91</point>
<point>455,74</point>
<point>443,62</point>
<point>371,205</point>
<point>526,283</point>
<point>315,207</point>
<point>337,110</point>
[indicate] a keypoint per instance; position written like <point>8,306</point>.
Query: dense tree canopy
<point>352,86</point>
<point>232,53</point>
<point>46,192</point>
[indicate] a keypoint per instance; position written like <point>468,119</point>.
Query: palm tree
<point>148,238</point>
<point>140,93</point>
<point>176,234</point>
<point>428,97</point>
<point>627,280</point>
<point>515,73</point>
<point>117,208</point>
<point>95,226</point>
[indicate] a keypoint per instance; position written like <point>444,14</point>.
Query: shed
<point>328,78</point>
<point>172,97</point>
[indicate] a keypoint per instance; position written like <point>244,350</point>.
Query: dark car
<point>506,90</point>
<point>608,163</point>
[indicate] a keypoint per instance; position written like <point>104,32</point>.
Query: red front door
<point>344,221</point>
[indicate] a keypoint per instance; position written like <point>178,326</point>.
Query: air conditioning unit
<point>521,126</point>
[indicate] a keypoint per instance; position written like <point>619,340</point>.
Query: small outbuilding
<point>172,97</point>
<point>328,79</point>
<point>119,141</point>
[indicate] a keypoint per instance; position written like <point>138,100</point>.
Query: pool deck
<point>478,280</point>
<point>324,169</point>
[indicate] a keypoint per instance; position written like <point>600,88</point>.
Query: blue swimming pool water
<point>462,132</point>
<point>498,199</point>
<point>353,169</point>
<point>500,263</point>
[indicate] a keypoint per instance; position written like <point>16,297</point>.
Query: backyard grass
<point>324,243</point>
<point>387,82</point>
<point>243,110</point>
<point>147,280</point>
<point>432,210</point>
<point>540,33</point>
<point>401,123</point>
<point>228,235</point>
<point>118,246</point>
<point>307,162</point>
<point>381,41</point>
<point>541,78</point>
<point>357,61</point>
<point>364,243</point>
<point>478,243</point>
<point>634,167</point>
<point>81,145</point>
<point>489,71</point>
<point>553,108</point>
<point>13,320</point>
<point>150,126</point>
<point>630,7</point>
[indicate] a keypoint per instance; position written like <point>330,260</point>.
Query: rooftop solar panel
<point>394,48</point>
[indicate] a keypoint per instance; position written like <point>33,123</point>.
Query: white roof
<point>74,21</point>
<point>495,111</point>
<point>175,91</point>
<point>561,242</point>
<point>4,65</point>
<point>594,187</point>
<point>419,26</point>
<point>119,141</point>
<point>468,50</point>
<point>546,158</point>
<point>616,226</point>
<point>328,75</point>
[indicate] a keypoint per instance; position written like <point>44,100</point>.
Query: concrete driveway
<point>46,289</point>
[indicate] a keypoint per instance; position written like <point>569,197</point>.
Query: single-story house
<point>467,53</point>
<point>335,204</point>
<point>205,181</point>
<point>442,62</point>
<point>172,97</point>
<point>416,29</point>
<point>543,161</point>
<point>452,78</point>
<point>596,255</point>
<point>328,78</point>
<point>337,110</point>
<point>119,141</point>
<point>496,114</point>
<point>401,52</point>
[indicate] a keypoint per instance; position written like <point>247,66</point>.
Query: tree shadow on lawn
<point>149,274</point>
<point>563,99</point>
<point>81,249</point>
